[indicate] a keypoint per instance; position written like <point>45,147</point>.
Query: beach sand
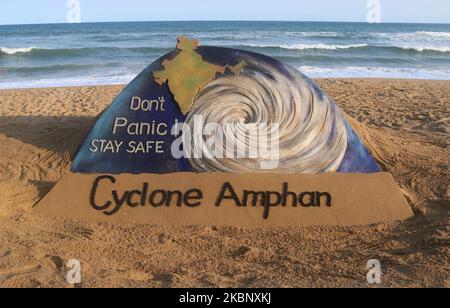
<point>405,123</point>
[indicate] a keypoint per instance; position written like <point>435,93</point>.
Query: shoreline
<point>385,79</point>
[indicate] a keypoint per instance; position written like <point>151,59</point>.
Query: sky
<point>56,11</point>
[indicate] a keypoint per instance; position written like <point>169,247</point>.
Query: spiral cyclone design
<point>312,135</point>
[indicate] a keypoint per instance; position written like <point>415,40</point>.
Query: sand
<point>405,123</point>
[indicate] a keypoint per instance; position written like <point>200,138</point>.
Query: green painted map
<point>188,73</point>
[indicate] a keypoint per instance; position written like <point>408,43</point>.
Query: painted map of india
<point>197,73</point>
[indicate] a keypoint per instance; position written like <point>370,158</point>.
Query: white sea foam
<point>315,34</point>
<point>308,46</point>
<point>68,82</point>
<point>412,36</point>
<point>427,48</point>
<point>374,72</point>
<point>13,51</point>
<point>310,71</point>
<point>401,45</point>
<point>434,34</point>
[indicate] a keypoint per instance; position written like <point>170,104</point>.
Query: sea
<point>114,53</point>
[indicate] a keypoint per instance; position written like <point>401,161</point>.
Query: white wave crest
<point>434,34</point>
<point>427,48</point>
<point>75,81</point>
<point>411,36</point>
<point>309,46</point>
<point>315,34</point>
<point>374,72</point>
<point>13,51</point>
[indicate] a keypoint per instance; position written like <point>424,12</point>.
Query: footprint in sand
<point>58,262</point>
<point>9,170</point>
<point>166,279</point>
<point>19,272</point>
<point>4,253</point>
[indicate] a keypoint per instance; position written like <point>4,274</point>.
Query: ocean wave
<point>425,48</point>
<point>412,36</point>
<point>46,69</point>
<point>30,51</point>
<point>87,51</point>
<point>398,47</point>
<point>75,81</point>
<point>13,51</point>
<point>374,72</point>
<point>418,35</point>
<point>307,46</point>
<point>434,34</point>
<point>311,71</point>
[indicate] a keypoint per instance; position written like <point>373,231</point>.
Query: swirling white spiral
<point>312,131</point>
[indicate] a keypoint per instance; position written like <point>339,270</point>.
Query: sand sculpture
<point>171,127</point>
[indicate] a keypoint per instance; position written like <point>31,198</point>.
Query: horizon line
<point>225,20</point>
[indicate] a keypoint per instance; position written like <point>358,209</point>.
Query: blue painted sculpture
<point>135,133</point>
